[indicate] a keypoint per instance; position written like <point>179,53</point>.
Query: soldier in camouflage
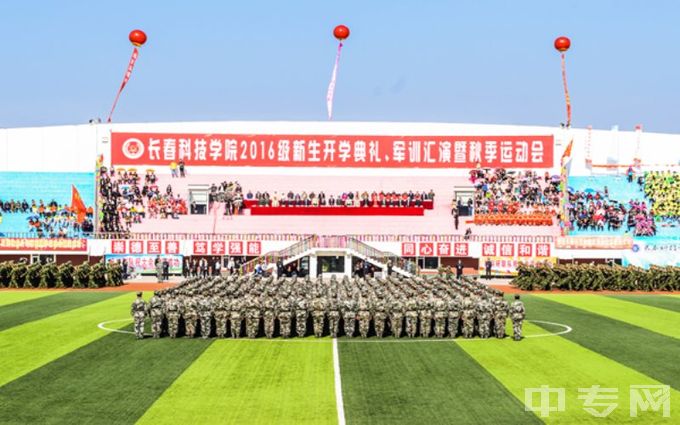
<point>501,309</point>
<point>171,307</point>
<point>138,312</point>
<point>205,311</point>
<point>440,314</point>
<point>190,315</point>
<point>221,316</point>
<point>396,316</point>
<point>349,315</point>
<point>318,313</point>
<point>301,315</point>
<point>155,312</point>
<point>517,314</point>
<point>468,317</point>
<point>484,316</point>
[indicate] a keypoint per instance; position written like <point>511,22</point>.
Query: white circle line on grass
<point>566,330</point>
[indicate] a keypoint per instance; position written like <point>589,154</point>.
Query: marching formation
<point>591,277</point>
<point>254,306</point>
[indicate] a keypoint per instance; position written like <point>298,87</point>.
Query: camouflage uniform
<point>221,316</point>
<point>252,316</point>
<point>333,317</point>
<point>236,317</point>
<point>379,317</point>
<point>301,316</point>
<point>425,313</point>
<point>364,316</point>
<point>190,316</point>
<point>205,311</point>
<point>172,314</point>
<point>484,313</point>
<point>440,313</point>
<point>155,307</point>
<point>318,312</point>
<point>349,315</point>
<point>500,317</point>
<point>138,312</point>
<point>285,317</point>
<point>468,317</point>
<point>517,314</point>
<point>397,317</point>
<point>454,315</point>
<point>269,316</point>
<point>411,318</point>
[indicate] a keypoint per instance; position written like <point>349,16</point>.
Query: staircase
<point>316,244</point>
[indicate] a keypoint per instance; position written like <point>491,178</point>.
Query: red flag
<point>77,204</point>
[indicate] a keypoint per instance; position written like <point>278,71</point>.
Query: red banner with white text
<point>332,150</point>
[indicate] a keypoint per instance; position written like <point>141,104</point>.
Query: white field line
<point>338,384</point>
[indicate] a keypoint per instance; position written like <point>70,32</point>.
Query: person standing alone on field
<point>487,266</point>
<point>459,269</point>
<point>138,311</point>
<point>517,314</point>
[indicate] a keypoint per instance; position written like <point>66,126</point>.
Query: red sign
<point>217,248</point>
<point>28,244</point>
<point>426,249</point>
<point>524,249</point>
<point>253,248</point>
<point>235,248</point>
<point>488,249</point>
<point>507,250</point>
<point>136,247</point>
<point>543,250</point>
<point>118,247</point>
<point>200,248</point>
<point>460,249</point>
<point>408,249</point>
<point>153,247</point>
<point>270,150</point>
<point>171,247</point>
<point>443,249</point>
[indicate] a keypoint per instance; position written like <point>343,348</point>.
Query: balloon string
<point>126,78</point>
<point>331,86</point>
<point>566,90</point>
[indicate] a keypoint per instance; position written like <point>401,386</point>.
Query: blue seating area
<point>37,186</point>
<point>622,191</point>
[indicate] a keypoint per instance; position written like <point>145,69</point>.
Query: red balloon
<point>562,44</point>
<point>137,37</point>
<point>341,32</point>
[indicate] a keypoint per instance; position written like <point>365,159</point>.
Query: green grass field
<point>58,367</point>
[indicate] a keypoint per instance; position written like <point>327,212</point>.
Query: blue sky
<point>444,61</point>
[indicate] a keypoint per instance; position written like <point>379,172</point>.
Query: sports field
<point>59,367</point>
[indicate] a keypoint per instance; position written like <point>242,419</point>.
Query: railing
<point>292,237</point>
<point>375,254</point>
<point>291,251</point>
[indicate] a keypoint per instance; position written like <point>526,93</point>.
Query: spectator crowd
<point>662,188</point>
<point>124,203</point>
<point>514,197</point>
<point>50,220</point>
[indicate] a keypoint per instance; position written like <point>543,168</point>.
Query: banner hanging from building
<point>146,264</point>
<point>332,150</point>
<point>29,244</point>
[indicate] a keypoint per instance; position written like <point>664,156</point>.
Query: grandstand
<point>510,219</point>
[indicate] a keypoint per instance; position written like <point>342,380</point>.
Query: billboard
<point>355,151</point>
